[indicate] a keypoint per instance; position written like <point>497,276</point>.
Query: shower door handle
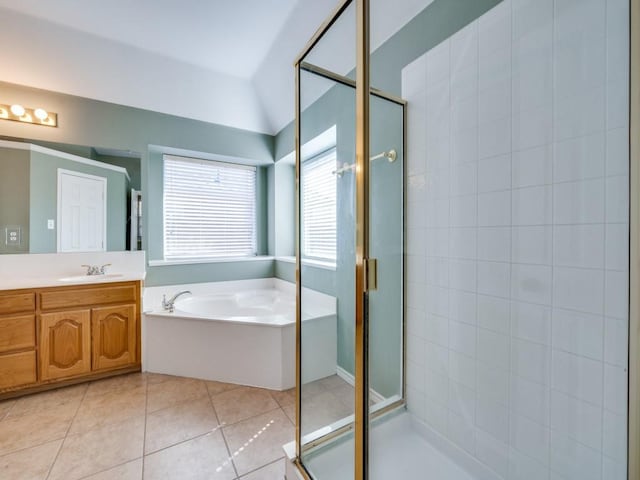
<point>371,274</point>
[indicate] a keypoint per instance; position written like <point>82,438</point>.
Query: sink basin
<point>90,278</point>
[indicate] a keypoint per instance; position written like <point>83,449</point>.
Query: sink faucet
<point>168,304</point>
<point>95,269</point>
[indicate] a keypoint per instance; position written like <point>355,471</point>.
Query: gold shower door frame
<point>363,280</point>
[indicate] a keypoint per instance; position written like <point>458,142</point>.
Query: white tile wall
<point>517,235</point>
<point>531,167</point>
<point>492,452</point>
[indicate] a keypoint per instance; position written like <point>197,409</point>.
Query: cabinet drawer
<point>78,297</point>
<point>17,303</point>
<point>17,369</point>
<point>17,332</point>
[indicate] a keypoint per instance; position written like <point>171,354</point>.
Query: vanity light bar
<point>36,116</point>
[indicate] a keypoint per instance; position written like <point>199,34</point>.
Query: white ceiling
<point>230,37</point>
<point>228,62</point>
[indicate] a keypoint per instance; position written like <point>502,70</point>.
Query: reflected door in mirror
<point>81,212</point>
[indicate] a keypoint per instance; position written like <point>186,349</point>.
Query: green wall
<point>281,188</point>
<point>216,272</point>
<point>79,150</point>
<point>14,196</point>
<point>100,124</point>
<point>284,270</point>
<point>132,165</point>
<point>44,201</point>
<point>29,197</point>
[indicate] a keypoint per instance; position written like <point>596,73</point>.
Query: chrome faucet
<point>95,269</point>
<point>168,304</point>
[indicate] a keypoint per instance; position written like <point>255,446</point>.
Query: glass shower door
<point>327,394</point>
<point>326,196</point>
<point>385,301</point>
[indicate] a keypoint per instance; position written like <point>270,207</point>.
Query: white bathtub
<point>239,332</point>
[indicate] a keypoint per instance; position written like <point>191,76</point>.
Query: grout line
<point>604,242</point>
<point>196,437</point>
<point>30,446</point>
<point>450,166</point>
<point>551,354</point>
<point>261,467</point>
<point>112,467</point>
<point>144,436</point>
<point>66,434</point>
<point>119,392</point>
<point>8,412</point>
<point>510,373</point>
<point>142,457</point>
<point>221,429</point>
<point>475,260</point>
<point>287,417</point>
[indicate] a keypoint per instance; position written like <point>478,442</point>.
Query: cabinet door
<point>114,336</point>
<point>65,344</point>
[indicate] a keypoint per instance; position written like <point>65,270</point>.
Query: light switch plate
<point>51,224</point>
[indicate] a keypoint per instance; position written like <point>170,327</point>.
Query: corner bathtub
<point>239,332</point>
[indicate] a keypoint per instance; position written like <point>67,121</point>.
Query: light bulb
<point>41,114</point>
<point>17,110</point>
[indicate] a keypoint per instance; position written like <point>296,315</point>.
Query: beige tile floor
<point>146,426</point>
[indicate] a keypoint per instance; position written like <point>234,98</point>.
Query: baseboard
<point>350,379</point>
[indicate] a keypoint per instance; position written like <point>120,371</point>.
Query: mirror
<point>67,198</point>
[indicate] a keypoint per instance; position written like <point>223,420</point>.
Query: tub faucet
<point>168,304</point>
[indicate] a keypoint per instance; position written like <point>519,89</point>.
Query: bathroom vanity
<point>53,335</point>
<point>68,334</point>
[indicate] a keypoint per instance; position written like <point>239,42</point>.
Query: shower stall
<point>466,192</point>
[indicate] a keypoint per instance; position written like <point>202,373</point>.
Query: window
<point>319,207</point>
<point>209,209</point>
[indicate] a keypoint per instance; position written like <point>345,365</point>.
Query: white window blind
<point>319,207</point>
<point>209,209</point>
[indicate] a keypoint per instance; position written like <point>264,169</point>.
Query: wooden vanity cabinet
<point>64,335</point>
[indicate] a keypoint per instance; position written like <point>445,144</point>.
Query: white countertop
<point>41,282</point>
<point>65,269</point>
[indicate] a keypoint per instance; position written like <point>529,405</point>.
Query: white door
<point>82,212</point>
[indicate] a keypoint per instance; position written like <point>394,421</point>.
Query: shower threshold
<point>400,447</point>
